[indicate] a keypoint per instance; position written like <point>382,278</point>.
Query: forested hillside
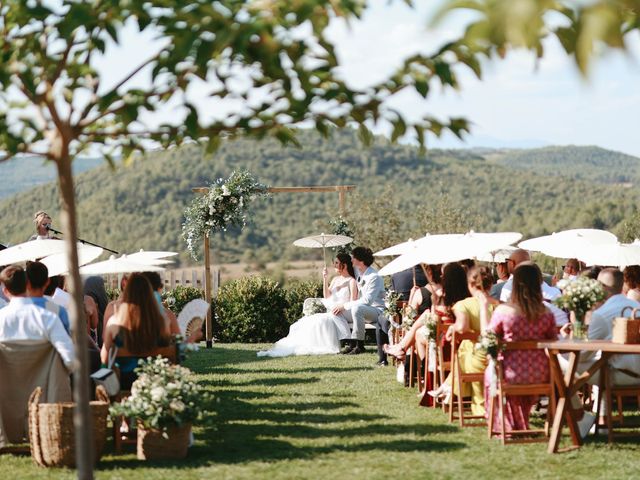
<point>583,163</point>
<point>140,206</point>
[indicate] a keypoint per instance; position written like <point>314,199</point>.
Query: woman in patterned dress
<point>523,318</point>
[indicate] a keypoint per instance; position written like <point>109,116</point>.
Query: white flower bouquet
<point>162,397</point>
<point>223,206</point>
<point>391,308</point>
<point>430,323</point>
<point>312,306</point>
<point>580,296</point>
<point>491,343</point>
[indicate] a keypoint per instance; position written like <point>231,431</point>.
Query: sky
<point>521,102</point>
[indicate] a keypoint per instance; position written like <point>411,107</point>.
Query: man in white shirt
<point>549,293</point>
<point>24,322</point>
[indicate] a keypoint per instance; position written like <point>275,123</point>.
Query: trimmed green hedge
<point>252,309</point>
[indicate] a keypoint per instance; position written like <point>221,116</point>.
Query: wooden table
<point>568,384</point>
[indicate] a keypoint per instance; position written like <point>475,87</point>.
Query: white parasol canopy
<point>57,263</point>
<point>398,249</point>
<point>323,241</point>
<point>436,249</point>
<point>567,243</point>
<point>32,250</point>
<point>119,265</point>
<point>150,255</point>
<point>615,254</point>
<point>497,256</point>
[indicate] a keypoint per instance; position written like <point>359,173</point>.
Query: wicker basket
<point>51,429</point>
<point>152,445</point>
<point>626,330</point>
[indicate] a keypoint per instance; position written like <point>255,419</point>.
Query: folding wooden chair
<point>509,389</point>
<point>619,393</point>
<point>458,378</point>
<point>443,354</point>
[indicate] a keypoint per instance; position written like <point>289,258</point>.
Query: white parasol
<point>398,249</point>
<point>436,249</point>
<point>119,265</point>
<point>32,250</point>
<point>323,241</point>
<point>497,256</point>
<point>567,243</point>
<point>615,254</point>
<point>57,263</point>
<point>150,255</point>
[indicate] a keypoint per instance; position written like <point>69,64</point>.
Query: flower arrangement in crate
<point>164,402</point>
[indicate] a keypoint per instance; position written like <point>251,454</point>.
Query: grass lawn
<point>334,417</point>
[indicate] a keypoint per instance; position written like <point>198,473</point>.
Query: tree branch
<point>132,74</point>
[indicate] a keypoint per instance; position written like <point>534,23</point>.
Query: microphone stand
<point>84,242</point>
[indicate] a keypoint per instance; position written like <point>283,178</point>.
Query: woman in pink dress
<point>524,318</point>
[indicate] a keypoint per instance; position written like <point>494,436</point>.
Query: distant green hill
<point>581,163</point>
<point>19,174</point>
<point>141,206</point>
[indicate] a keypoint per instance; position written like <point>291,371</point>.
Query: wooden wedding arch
<point>342,205</point>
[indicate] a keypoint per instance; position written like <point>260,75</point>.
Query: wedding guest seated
<point>403,282</point>
<point>37,282</point>
<point>524,317</point>
<point>35,351</point>
<point>502,274</point>
<point>472,315</point>
<point>454,288</point>
<point>94,288</point>
<point>625,369</point>
<point>632,282</point>
<point>516,258</point>
<point>137,329</point>
<point>23,321</point>
<point>156,286</point>
<point>420,299</point>
<point>114,304</point>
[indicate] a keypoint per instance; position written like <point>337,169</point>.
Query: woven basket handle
<point>634,312</point>
<point>34,426</point>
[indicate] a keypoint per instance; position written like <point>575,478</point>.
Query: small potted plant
<point>164,402</point>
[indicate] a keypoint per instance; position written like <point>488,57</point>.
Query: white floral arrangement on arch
<point>163,396</point>
<point>224,205</point>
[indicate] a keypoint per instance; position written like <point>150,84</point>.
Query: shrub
<point>251,309</point>
<point>176,299</point>
<point>296,294</point>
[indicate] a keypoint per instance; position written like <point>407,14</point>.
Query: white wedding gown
<point>315,334</point>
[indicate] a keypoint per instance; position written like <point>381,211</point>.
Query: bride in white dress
<point>321,333</point>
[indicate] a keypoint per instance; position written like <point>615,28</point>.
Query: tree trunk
<point>81,417</point>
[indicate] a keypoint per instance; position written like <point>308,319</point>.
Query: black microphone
<point>48,227</point>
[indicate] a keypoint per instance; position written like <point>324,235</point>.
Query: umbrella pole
<point>324,255</point>
<point>414,276</point>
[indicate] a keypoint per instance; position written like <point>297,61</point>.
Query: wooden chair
<point>508,389</point>
<point>619,393</point>
<point>463,411</point>
<point>170,352</point>
<point>443,354</point>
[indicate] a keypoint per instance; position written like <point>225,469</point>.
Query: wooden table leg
<point>563,408</point>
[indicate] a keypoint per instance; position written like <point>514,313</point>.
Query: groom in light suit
<point>367,307</point>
